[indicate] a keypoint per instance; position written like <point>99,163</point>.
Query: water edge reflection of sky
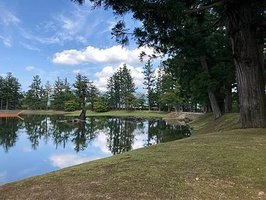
<point>41,147</point>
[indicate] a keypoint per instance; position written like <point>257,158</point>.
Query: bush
<point>71,105</point>
<point>101,107</point>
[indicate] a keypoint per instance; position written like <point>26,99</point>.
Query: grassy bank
<point>206,123</point>
<point>120,113</point>
<point>123,113</point>
<point>216,163</point>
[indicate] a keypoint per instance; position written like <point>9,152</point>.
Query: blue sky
<point>60,38</point>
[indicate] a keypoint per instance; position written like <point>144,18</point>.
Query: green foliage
<point>121,89</point>
<point>101,107</point>
<point>71,105</point>
<point>81,89</point>
<point>35,97</point>
<point>92,95</point>
<point>101,104</point>
<point>10,94</point>
<point>167,92</point>
<point>62,93</point>
<point>149,82</point>
<point>139,102</point>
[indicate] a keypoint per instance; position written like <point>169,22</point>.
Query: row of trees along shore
<point>164,90</point>
<point>205,38</point>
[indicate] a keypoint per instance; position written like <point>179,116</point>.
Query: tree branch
<point>204,7</point>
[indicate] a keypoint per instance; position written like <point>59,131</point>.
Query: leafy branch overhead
<point>181,28</point>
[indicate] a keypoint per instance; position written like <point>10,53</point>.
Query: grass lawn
<point>218,162</point>
<point>120,113</point>
<point>123,113</point>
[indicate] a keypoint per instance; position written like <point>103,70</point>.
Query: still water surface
<point>40,144</point>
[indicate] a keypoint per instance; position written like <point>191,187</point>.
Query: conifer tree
<point>171,26</point>
<point>149,82</point>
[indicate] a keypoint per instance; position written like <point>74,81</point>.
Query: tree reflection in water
<point>120,132</point>
<point>120,137</point>
<point>159,131</point>
<point>8,132</point>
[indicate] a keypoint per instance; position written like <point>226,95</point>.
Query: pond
<point>41,144</point>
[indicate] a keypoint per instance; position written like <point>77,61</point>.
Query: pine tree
<point>48,93</point>
<point>128,87</point>
<point>92,95</point>
<point>149,82</point>
<point>174,26</point>
<point>121,88</point>
<point>81,86</point>
<point>35,95</point>
<point>10,92</point>
<point>57,101</point>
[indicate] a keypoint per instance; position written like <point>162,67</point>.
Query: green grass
<point>123,113</point>
<point>120,113</point>
<point>215,163</point>
<point>206,123</point>
<point>42,112</point>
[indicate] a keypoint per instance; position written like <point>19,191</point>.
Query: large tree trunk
<point>214,104</point>
<point>228,98</point>
<point>82,115</point>
<point>248,62</point>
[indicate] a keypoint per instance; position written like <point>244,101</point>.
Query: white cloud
<point>139,141</point>
<point>6,41</point>
<point>66,160</point>
<point>29,68</point>
<point>112,55</point>
<point>29,46</point>
<point>7,17</point>
<point>54,39</point>
<point>81,39</point>
<point>27,149</point>
<point>66,26</point>
<point>103,76</point>
<point>77,71</point>
<point>101,142</point>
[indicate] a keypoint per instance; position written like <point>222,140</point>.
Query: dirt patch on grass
<point>181,115</point>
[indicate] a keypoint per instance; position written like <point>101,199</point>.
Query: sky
<point>59,38</point>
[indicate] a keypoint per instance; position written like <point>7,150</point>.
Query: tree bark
<point>82,115</point>
<point>6,104</point>
<point>228,98</point>
<point>214,104</point>
<point>248,63</point>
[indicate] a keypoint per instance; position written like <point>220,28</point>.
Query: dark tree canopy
<point>178,26</point>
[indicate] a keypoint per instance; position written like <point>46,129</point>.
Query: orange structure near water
<point>10,113</point>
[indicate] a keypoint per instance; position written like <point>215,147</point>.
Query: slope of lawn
<point>207,124</point>
<point>215,163</point>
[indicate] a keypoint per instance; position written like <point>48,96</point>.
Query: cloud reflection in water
<point>67,159</point>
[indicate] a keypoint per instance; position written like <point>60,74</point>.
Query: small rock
<point>261,193</point>
<point>197,178</point>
